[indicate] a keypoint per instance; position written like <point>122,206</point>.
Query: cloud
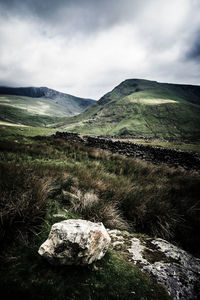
<point>194,50</point>
<point>87,47</point>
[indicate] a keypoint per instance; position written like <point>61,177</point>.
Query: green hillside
<point>38,106</point>
<point>142,108</point>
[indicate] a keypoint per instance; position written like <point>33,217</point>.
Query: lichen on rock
<point>171,266</point>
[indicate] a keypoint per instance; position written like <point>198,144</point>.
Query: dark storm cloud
<point>65,15</point>
<point>194,51</point>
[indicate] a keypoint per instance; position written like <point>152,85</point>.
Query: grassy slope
<point>39,111</point>
<point>12,132</point>
<point>143,108</point>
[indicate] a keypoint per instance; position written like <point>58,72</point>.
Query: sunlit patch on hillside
<point>40,108</point>
<point>4,99</point>
<point>11,124</point>
<point>151,101</point>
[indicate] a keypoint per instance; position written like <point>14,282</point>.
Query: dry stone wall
<point>156,155</point>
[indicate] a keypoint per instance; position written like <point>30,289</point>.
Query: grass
<point>26,275</point>
<point>22,116</point>
<point>13,132</point>
<point>44,180</point>
<point>93,208</point>
<point>156,200</point>
<point>110,278</point>
<point>23,199</point>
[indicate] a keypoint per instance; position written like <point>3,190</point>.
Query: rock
<point>77,242</point>
<point>180,273</point>
<point>171,266</point>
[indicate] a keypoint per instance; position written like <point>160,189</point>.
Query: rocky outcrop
<point>75,242</point>
<point>81,242</point>
<point>171,266</point>
<point>156,155</point>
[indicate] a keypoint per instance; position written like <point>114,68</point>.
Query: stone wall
<point>71,137</point>
<point>157,155</point>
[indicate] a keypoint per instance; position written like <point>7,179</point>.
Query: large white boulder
<point>76,242</point>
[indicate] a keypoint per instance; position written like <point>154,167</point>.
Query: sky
<point>87,47</point>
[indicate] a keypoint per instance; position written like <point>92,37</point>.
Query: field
<point>38,175</point>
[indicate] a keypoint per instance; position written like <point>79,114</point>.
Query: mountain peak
<point>140,107</point>
<point>126,88</point>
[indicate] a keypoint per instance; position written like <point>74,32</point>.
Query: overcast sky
<point>87,47</point>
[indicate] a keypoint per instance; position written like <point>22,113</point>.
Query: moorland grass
<point>156,200</point>
<point>31,204</point>
<point>45,180</point>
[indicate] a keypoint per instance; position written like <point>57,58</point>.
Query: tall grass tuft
<point>97,210</point>
<point>23,199</point>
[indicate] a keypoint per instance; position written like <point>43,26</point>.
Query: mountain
<point>145,108</point>
<point>38,106</point>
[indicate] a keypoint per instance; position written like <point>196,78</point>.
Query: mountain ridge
<point>36,92</point>
<point>38,106</point>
